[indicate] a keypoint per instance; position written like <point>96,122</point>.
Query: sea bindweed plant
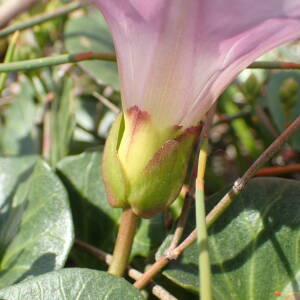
<point>175,58</point>
<point>169,136</point>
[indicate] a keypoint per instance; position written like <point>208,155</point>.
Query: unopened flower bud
<point>144,167</point>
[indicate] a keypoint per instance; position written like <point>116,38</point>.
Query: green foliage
<point>99,223</point>
<point>253,245</point>
<point>239,126</point>
<point>36,230</point>
<point>18,133</point>
<point>63,121</point>
<point>90,33</point>
<point>79,284</point>
<point>149,236</point>
<point>52,133</point>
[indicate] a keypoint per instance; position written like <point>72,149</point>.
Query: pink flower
<point>175,57</point>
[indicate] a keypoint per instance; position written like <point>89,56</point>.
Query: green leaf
<point>149,236</point>
<point>63,122</point>
<point>283,94</point>
<point>13,172</point>
<point>96,222</point>
<point>36,230</point>
<point>253,245</point>
<point>19,134</point>
<point>90,33</point>
<point>72,284</point>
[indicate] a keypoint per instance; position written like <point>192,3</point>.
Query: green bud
<point>143,166</point>
<point>251,87</point>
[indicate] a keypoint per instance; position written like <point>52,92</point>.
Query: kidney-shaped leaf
<point>254,245</point>
<point>72,284</point>
<point>36,230</point>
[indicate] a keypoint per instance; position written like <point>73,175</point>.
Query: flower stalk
<point>123,243</point>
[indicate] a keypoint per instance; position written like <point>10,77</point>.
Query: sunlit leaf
<point>72,284</point>
<point>36,230</point>
<point>253,245</point>
<point>90,33</point>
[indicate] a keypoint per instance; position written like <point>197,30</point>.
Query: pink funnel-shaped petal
<point>175,57</point>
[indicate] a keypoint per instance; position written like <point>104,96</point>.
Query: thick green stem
<point>204,260</point>
<point>202,237</point>
<point>37,63</point>
<point>123,243</point>
<point>89,55</point>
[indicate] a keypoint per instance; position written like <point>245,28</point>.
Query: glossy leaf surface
<point>254,245</point>
<point>36,230</point>
<point>71,284</point>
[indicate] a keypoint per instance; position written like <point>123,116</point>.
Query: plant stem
<point>205,284</point>
<point>89,55</point>
<point>278,170</point>
<point>228,118</point>
<point>281,65</point>
<point>271,150</point>
<point>41,18</point>
<point>241,182</point>
<point>123,243</point>
<point>266,120</point>
<point>221,206</point>
<point>188,199</point>
<point>202,237</point>
<point>33,64</point>
<point>8,58</point>
<point>115,109</point>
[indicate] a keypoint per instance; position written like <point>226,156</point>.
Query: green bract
<point>144,167</point>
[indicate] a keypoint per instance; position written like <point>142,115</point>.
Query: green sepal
<point>115,182</point>
<point>160,182</point>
